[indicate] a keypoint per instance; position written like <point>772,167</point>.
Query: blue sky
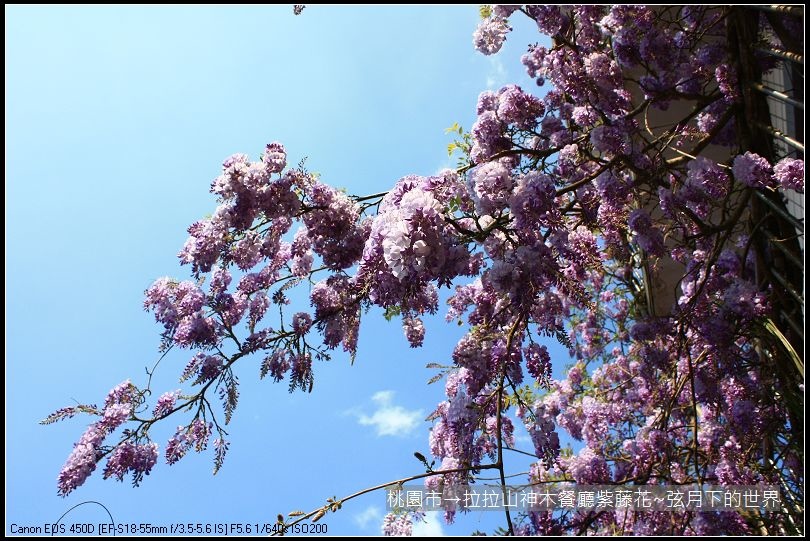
<point>116,121</point>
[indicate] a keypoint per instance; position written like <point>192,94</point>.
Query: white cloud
<point>443,167</point>
<point>431,526</point>
<point>388,419</point>
<point>383,398</point>
<point>521,434</point>
<point>496,76</point>
<point>369,516</point>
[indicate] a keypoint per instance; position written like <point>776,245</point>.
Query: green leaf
<point>485,10</point>
<point>392,312</point>
<point>436,378</point>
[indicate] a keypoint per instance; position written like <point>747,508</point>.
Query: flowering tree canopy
<point>618,211</point>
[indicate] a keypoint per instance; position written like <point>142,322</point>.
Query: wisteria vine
<point>610,214</point>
